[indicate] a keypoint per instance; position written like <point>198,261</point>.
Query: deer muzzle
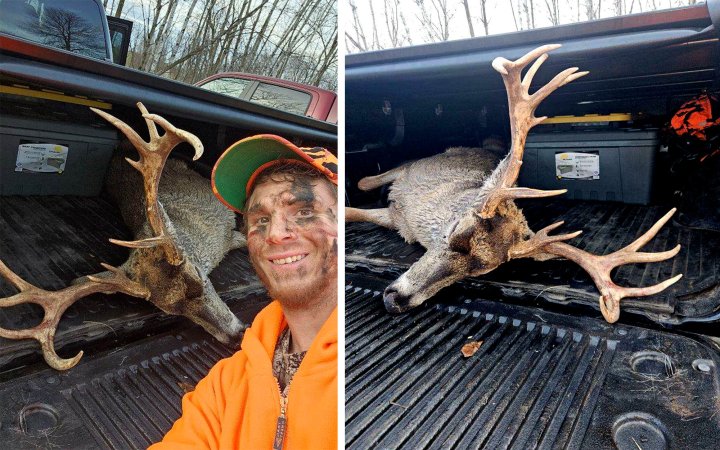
<point>436,269</point>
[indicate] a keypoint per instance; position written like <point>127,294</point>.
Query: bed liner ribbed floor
<point>125,398</point>
<point>538,380</point>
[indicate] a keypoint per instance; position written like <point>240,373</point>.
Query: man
<point>280,389</point>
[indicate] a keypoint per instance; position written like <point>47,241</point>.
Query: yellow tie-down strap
<point>615,117</point>
<point>53,95</point>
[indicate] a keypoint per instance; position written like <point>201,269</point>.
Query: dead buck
<point>459,206</point>
<point>181,230</point>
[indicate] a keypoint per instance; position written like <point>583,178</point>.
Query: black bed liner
<point>125,398</point>
<point>49,241</point>
<point>606,228</point>
<point>539,379</point>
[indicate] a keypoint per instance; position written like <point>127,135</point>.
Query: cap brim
<point>238,163</point>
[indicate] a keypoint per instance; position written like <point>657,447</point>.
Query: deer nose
<point>391,298</point>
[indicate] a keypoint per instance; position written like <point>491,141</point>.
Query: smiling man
<point>280,390</point>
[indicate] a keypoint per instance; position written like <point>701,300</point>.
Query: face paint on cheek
<point>258,230</point>
<point>330,214</point>
<point>330,258</point>
<point>307,221</point>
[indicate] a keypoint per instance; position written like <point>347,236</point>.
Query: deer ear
<point>460,232</point>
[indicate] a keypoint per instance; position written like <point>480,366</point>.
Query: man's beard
<point>294,291</point>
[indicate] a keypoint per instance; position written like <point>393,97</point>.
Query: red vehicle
<point>280,94</point>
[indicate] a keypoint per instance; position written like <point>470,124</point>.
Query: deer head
<point>490,230</point>
<point>159,269</point>
<point>471,247</point>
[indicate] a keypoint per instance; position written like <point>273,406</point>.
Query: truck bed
<point>550,372</point>
<point>125,392</point>
<point>538,380</point>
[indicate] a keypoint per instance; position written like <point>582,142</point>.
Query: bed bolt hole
<point>703,365</point>
<point>38,419</point>
<point>653,364</point>
<point>638,429</point>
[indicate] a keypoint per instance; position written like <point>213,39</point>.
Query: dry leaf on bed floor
<point>470,348</point>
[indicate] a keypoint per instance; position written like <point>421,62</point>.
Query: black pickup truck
<point>550,372</point>
<point>55,226</point>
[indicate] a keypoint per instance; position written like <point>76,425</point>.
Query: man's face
<point>292,239</point>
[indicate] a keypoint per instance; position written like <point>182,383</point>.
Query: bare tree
<point>553,9</point>
<point>395,23</point>
<point>524,17</point>
<point>190,39</point>
<point>356,36</point>
<point>435,16</point>
<point>67,30</point>
<point>112,9</point>
<point>484,18</point>
<point>395,33</point>
<point>591,11</point>
<point>469,18</point>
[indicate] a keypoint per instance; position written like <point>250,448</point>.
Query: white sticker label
<point>577,166</point>
<point>41,158</point>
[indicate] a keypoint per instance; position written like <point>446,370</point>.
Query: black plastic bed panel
<point>538,380</point>
<point>124,398</point>
<point>606,227</point>
<point>50,241</point>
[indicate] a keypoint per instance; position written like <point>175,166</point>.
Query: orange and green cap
<point>238,167</point>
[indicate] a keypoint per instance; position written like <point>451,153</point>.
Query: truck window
<point>281,98</point>
<point>73,26</point>
<point>120,30</point>
<point>234,87</point>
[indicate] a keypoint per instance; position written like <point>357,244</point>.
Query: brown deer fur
<point>204,229</point>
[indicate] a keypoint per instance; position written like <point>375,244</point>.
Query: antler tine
<point>599,267</point>
<point>527,79</point>
<point>20,284</point>
<point>522,107</point>
<point>538,240</point>
<point>152,129</point>
<point>638,243</point>
<point>56,303</point>
<point>153,156</point>
<point>173,131</point>
<point>559,80</point>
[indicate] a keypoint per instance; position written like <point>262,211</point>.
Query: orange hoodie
<point>237,404</point>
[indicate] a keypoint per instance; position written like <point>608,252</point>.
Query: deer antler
<point>55,304</point>
<point>522,107</point>
<point>599,267</point>
<point>153,155</point>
